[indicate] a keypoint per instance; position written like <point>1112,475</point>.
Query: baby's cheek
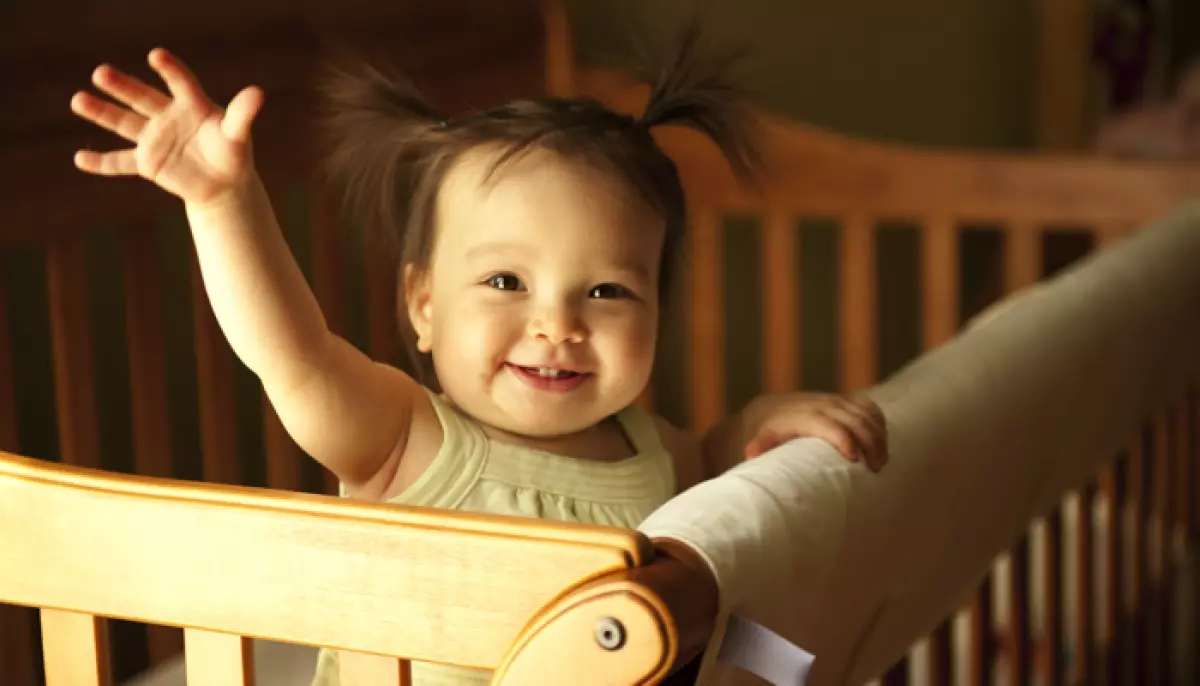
<point>632,350</point>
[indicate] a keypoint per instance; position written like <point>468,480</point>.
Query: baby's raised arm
<point>350,413</point>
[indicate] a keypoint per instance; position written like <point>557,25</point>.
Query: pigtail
<point>378,134</point>
<point>698,90</point>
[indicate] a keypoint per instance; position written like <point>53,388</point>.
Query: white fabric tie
<point>764,653</point>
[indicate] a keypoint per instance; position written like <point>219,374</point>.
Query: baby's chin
<point>547,424</point>
<point>547,421</point>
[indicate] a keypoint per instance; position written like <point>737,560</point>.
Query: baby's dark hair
<point>391,150</point>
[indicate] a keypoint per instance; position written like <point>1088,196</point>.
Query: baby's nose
<point>557,324</point>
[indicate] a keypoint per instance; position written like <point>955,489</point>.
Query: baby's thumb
<point>240,114</point>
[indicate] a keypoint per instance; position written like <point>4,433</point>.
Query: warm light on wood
<point>215,659</point>
<point>858,303</point>
<point>75,649</point>
<point>426,584</point>
<point>706,313</point>
<point>781,304</point>
<point>376,670</point>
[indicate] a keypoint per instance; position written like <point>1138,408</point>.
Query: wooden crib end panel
<point>297,568</point>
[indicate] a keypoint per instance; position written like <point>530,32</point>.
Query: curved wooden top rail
<point>811,169</point>
<point>288,566</point>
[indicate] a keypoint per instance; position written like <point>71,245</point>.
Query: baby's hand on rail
<point>854,426</point>
<point>184,142</point>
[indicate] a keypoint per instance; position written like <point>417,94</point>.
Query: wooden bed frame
<point>96,273</point>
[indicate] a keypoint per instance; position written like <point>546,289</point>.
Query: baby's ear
<point>420,305</point>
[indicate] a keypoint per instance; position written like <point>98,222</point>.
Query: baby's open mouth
<point>548,378</point>
<point>549,372</point>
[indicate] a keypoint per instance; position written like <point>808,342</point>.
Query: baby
<point>536,244</point>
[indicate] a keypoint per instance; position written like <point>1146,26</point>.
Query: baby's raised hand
<point>855,427</point>
<point>184,142</point>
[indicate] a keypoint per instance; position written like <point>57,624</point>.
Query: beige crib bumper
<point>987,433</point>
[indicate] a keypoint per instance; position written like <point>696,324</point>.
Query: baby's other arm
<point>353,415</point>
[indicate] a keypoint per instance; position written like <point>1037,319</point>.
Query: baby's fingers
<point>179,79</point>
<point>871,428</point>
<point>240,114</point>
<point>117,163</point>
<point>120,121</point>
<point>851,435</point>
<point>143,99</point>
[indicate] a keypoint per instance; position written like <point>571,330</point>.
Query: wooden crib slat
<point>857,300</point>
<point>781,305</point>
<point>1161,505</point>
<point>1131,655</point>
<point>706,314</point>
<point>1022,256</point>
<point>1193,459</point>
<point>1084,589</point>
<point>74,382</point>
<point>939,282</point>
<point>75,649</point>
<point>328,276</point>
<point>373,670</point>
<point>147,388</point>
<point>939,322</point>
<point>941,654</point>
<point>214,380</point>
<point>981,651</point>
<point>1050,641</point>
<point>1111,487</point>
<point>215,659</point>
<point>1017,643</point>
<point>1157,630</point>
<point>1184,456</point>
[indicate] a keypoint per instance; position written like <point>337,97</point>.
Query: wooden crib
<point>855,257</point>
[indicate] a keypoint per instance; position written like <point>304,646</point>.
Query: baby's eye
<point>608,291</point>
<point>505,282</point>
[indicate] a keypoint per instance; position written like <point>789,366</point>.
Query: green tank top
<point>473,473</point>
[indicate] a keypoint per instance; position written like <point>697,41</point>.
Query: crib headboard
<point>519,596</point>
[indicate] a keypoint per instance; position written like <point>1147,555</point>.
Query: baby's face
<point>541,302</point>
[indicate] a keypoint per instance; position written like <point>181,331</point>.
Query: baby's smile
<point>548,378</point>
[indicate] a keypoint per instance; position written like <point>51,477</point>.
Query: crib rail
<point>1106,620</point>
<point>382,582</point>
<point>1072,603</point>
<point>1032,619</point>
